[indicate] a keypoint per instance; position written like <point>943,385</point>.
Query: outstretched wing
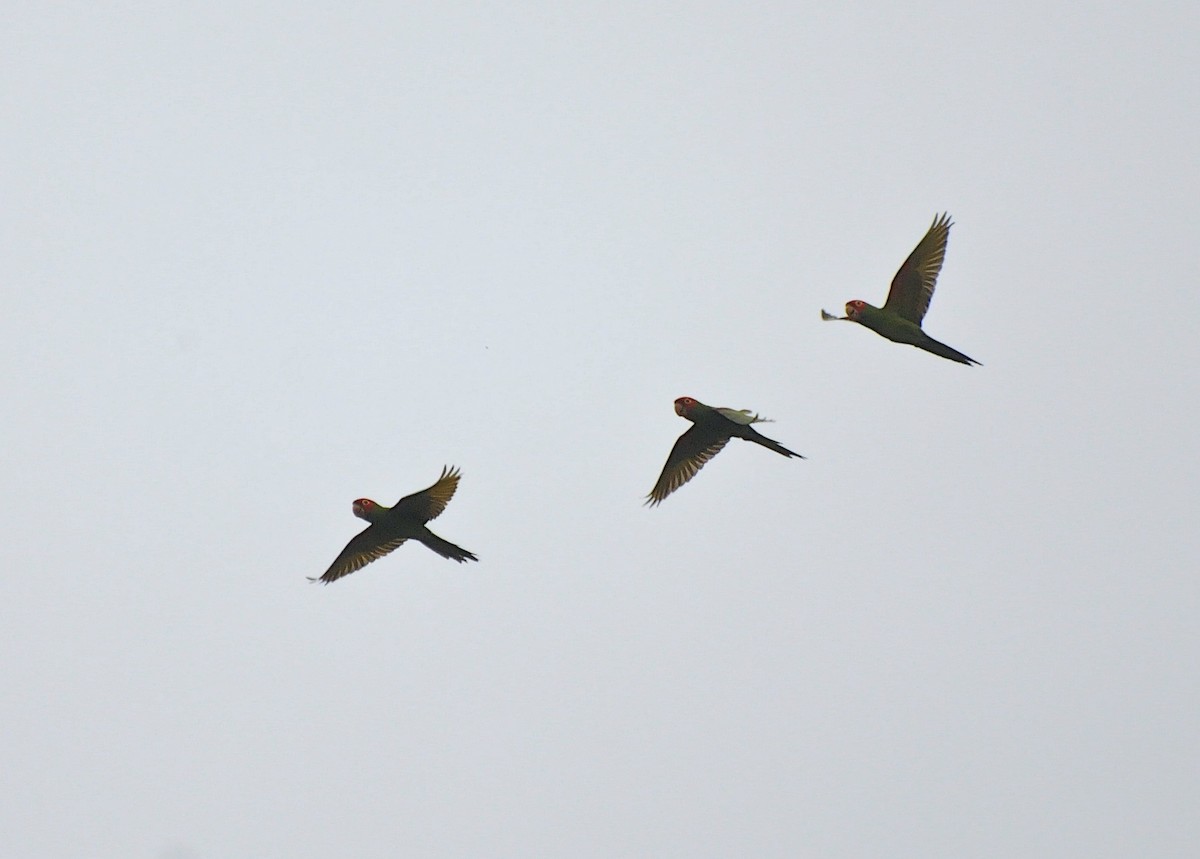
<point>369,545</point>
<point>429,503</point>
<point>912,287</point>
<point>692,449</point>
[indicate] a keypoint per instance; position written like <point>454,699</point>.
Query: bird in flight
<point>391,526</point>
<point>711,429</point>
<point>899,320</point>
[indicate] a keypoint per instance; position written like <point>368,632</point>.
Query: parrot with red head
<point>711,429</point>
<point>392,526</point>
<point>899,320</point>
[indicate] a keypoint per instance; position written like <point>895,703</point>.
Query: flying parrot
<point>391,526</point>
<point>711,429</point>
<point>900,317</point>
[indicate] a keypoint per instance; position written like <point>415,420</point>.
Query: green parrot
<point>391,526</point>
<point>900,317</point>
<point>711,429</point>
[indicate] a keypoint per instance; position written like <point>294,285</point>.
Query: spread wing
<point>369,545</point>
<point>692,449</point>
<point>912,287</point>
<point>429,503</point>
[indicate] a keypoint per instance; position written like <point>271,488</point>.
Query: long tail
<point>941,349</point>
<point>445,548</point>
<point>751,434</point>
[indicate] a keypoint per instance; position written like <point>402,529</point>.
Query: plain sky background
<point>262,260</point>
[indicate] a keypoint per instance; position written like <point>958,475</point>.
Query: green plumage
<point>899,330</point>
<point>899,320</point>
<point>391,527</point>
<point>712,428</point>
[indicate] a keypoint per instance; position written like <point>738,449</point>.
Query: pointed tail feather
<point>446,549</point>
<point>751,434</point>
<point>944,351</point>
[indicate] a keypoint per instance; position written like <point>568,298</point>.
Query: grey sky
<point>259,263</point>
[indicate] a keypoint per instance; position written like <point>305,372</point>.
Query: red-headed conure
<point>900,317</point>
<point>711,429</point>
<point>391,526</point>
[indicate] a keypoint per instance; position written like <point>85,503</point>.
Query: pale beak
<point>829,317</point>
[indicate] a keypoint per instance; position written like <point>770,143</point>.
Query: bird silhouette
<point>899,320</point>
<point>711,429</point>
<point>392,526</point>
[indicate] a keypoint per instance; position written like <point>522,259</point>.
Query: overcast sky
<point>259,263</point>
